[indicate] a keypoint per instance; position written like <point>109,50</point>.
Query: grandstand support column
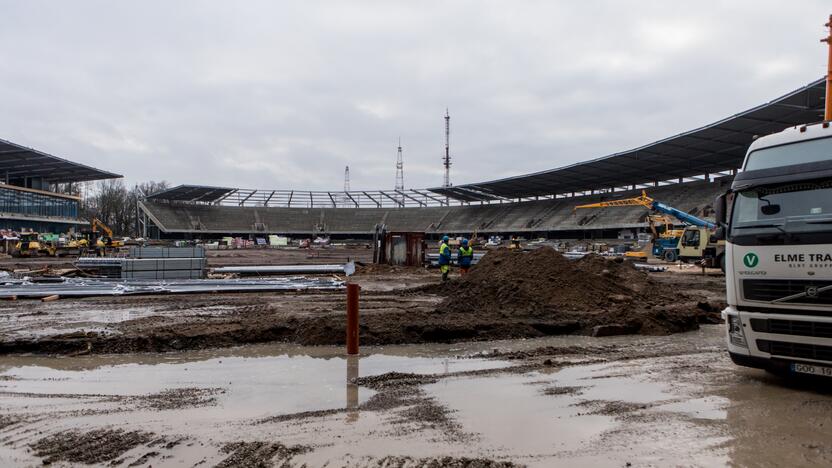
<point>827,116</point>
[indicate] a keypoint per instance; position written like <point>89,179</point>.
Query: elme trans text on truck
<point>777,223</point>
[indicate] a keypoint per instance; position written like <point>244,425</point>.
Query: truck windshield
<point>795,153</point>
<point>790,208</point>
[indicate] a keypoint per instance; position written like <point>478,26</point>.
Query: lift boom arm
<point>647,202</point>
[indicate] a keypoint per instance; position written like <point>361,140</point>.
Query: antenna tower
<point>347,179</point>
<point>344,198</point>
<point>400,174</point>
<point>447,162</point>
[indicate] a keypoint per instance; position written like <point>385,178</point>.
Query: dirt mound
<point>592,291</point>
<point>543,280</point>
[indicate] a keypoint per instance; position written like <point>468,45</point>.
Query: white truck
<point>777,224</point>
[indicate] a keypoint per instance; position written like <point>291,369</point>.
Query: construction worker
<point>444,258</point>
<point>464,257</point>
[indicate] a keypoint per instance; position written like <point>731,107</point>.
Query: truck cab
<point>777,223</point>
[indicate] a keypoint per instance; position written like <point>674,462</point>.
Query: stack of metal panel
<point>151,263</point>
<point>167,252</point>
<point>100,266</point>
<point>162,268</point>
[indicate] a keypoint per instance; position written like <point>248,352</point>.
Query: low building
<point>28,197</point>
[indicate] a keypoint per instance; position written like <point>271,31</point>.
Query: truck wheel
<point>669,256</point>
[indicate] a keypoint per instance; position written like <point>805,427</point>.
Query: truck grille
<point>792,327</point>
<point>797,350</point>
<point>770,290</point>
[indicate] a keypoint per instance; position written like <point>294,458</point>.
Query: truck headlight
<point>735,333</point>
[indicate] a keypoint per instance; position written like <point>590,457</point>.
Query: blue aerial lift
<point>692,243</point>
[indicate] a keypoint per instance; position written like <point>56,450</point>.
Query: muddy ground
<point>558,401</point>
<point>398,305</point>
<point>230,380</point>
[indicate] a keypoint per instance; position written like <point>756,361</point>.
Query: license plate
<point>811,369</point>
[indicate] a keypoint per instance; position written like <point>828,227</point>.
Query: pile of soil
<point>590,292</point>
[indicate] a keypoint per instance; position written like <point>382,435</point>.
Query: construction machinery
<point>68,246</point>
<point>691,243</point>
<point>33,244</point>
<point>29,245</point>
<point>100,238</point>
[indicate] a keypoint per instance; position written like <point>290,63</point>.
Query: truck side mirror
<point>719,234</point>
<point>720,206</point>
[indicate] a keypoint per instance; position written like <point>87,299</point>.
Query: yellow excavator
<point>101,242</point>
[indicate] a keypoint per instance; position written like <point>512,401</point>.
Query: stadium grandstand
<point>686,171</point>
<point>29,200</point>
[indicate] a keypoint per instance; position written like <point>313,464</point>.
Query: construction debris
<point>86,287</point>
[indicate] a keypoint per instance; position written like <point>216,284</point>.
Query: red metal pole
<point>828,40</point>
<point>352,318</point>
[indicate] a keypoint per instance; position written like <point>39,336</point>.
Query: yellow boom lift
<point>693,243</point>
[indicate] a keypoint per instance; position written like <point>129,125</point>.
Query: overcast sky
<point>284,95</point>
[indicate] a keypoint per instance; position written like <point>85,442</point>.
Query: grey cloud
<point>284,95</point>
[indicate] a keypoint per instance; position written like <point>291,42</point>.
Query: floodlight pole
<point>828,40</point>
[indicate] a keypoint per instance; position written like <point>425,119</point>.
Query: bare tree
<point>116,206</point>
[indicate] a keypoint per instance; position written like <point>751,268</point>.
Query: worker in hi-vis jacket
<point>444,258</point>
<point>464,257</point>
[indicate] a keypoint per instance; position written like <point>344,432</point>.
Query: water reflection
<point>352,388</point>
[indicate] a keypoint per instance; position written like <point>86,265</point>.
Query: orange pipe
<point>828,40</point>
<point>352,318</point>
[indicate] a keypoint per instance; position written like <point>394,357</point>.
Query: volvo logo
<point>812,291</point>
<point>750,260</point>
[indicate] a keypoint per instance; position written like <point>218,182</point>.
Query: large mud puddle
<point>573,415</point>
<point>239,386</point>
<point>560,401</point>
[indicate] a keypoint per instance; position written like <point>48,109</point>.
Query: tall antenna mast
<point>400,174</point>
<point>447,163</point>
<point>344,198</point>
<point>347,179</point>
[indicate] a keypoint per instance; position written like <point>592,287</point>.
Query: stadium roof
<point>192,193</point>
<point>713,148</point>
<point>20,161</point>
<point>200,194</point>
